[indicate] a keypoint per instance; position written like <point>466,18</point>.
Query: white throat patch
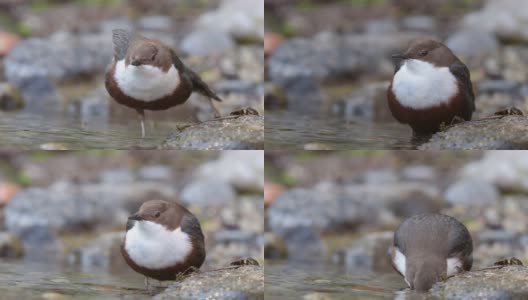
<point>146,83</point>
<point>454,266</point>
<point>400,261</point>
<point>420,85</point>
<point>152,246</point>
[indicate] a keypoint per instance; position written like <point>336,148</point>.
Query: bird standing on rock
<point>430,87</point>
<point>163,240</point>
<point>429,247</point>
<point>147,75</point>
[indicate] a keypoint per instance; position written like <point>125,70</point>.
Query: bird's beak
<point>135,217</point>
<point>400,57</point>
<point>136,62</point>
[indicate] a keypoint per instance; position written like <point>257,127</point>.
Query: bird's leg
<point>141,113</point>
<point>150,289</point>
<point>216,111</point>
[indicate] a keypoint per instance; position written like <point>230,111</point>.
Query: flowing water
<point>290,280</point>
<point>31,280</point>
<point>23,130</point>
<point>291,130</point>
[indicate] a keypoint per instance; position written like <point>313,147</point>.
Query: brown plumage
<point>171,216</point>
<point>428,120</point>
<point>136,51</point>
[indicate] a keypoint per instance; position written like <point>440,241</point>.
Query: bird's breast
<point>421,85</point>
<point>152,246</point>
<point>146,83</point>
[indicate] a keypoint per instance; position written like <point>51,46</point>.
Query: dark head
<point>140,51</point>
<point>427,50</point>
<point>161,212</point>
<point>144,52</point>
<point>423,272</point>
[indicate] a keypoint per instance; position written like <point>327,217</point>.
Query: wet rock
<point>503,283</point>
<point>245,63</point>
<point>155,172</point>
<point>242,19</point>
<point>303,243</point>
<point>207,42</point>
<point>369,103</point>
<point>242,169</point>
<point>274,97</point>
<point>111,24</point>
<point>206,192</point>
<point>504,18</point>
<point>155,23</point>
<point>222,254</point>
<point>243,283</point>
<point>116,176</point>
<point>509,132</point>
<point>328,55</point>
<point>498,86</point>
<point>381,26</point>
<point>67,207</point>
<point>246,132</point>
<point>10,246</point>
<point>242,214</point>
<point>369,252</point>
<point>472,191</point>
<point>10,97</point>
<point>94,108</point>
<point>103,252</point>
<point>331,207</point>
<point>419,23</point>
<point>274,246</point>
<point>496,236</point>
<point>238,94</point>
<point>381,176</point>
<point>419,173</point>
<point>36,62</point>
<point>473,45</point>
<point>506,169</point>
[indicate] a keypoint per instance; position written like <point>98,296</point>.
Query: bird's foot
<point>247,111</point>
<point>457,120</point>
<point>512,111</point>
<point>509,262</point>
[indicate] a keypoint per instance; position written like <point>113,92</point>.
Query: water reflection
<point>31,280</point>
<point>291,130</point>
<point>293,280</point>
<point>24,130</point>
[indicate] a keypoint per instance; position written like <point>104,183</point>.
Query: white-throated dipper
<point>163,240</point>
<point>147,75</point>
<point>429,247</point>
<point>430,86</point>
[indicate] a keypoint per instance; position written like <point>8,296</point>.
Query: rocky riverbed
<point>56,71</point>
<point>339,220</point>
<point>337,68</point>
<point>72,220</point>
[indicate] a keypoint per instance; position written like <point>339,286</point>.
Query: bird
<point>163,240</point>
<point>146,74</point>
<point>429,247</point>
<point>430,87</point>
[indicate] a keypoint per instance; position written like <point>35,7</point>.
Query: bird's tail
<point>201,87</point>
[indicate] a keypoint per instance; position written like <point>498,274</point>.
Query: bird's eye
<point>424,53</point>
<point>157,214</point>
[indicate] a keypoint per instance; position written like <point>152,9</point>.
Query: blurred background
<point>63,218</point>
<point>330,218</point>
<point>328,67</point>
<point>53,55</point>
